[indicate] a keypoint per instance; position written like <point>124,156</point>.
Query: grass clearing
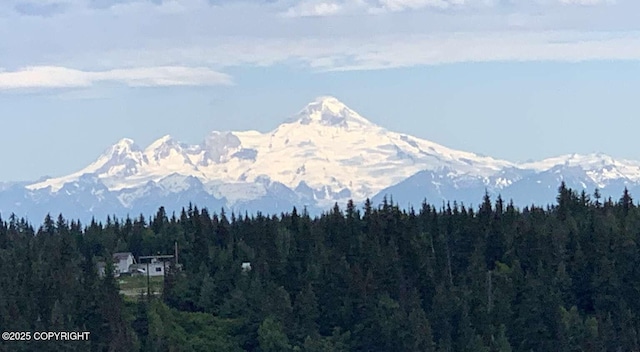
<point>131,286</point>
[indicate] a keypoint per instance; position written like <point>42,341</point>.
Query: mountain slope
<point>533,182</point>
<point>326,147</point>
<point>325,153</point>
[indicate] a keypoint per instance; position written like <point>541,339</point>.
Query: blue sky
<point>513,79</point>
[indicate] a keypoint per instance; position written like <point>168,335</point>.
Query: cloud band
<point>60,77</point>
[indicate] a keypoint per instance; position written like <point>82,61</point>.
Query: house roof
<point>121,255</point>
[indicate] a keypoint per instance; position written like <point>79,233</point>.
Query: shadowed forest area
<point>440,278</point>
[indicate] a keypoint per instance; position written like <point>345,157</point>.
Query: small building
<point>122,261</point>
<point>156,265</point>
<point>246,266</point>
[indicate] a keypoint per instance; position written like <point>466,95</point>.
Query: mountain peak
<point>328,100</point>
<point>329,111</point>
<point>125,143</point>
<point>327,103</point>
<point>164,140</point>
<point>125,146</point>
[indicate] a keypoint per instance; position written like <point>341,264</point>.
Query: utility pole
<point>175,254</point>
<point>154,259</point>
<point>148,284</point>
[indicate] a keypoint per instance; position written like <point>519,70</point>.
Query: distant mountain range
<point>324,154</point>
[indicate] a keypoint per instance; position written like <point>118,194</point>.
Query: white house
<point>122,261</point>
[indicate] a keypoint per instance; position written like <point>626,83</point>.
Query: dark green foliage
<point>172,330</point>
<point>498,279</point>
<point>272,337</point>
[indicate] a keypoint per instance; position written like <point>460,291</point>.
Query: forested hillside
<point>440,278</point>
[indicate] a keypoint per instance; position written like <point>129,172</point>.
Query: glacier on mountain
<point>326,153</point>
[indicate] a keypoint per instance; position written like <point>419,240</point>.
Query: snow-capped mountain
<point>325,153</point>
<point>527,183</point>
<point>600,168</point>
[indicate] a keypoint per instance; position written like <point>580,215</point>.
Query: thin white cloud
<point>587,2</point>
<point>401,5</point>
<point>488,47</point>
<point>60,77</point>
<point>314,9</point>
<point>397,50</point>
<point>380,6</point>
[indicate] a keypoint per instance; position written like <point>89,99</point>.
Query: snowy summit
<point>325,153</point>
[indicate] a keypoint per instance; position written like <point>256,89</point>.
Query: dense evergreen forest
<point>441,278</point>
